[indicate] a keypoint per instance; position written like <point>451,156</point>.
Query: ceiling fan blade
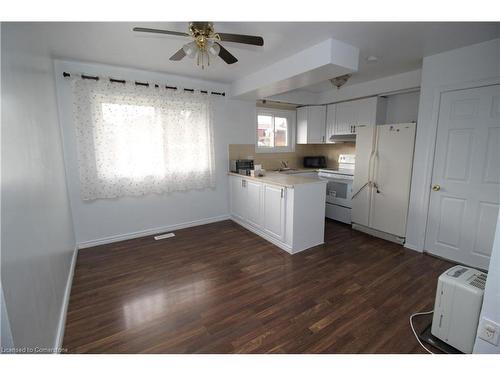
<point>225,55</point>
<point>158,31</point>
<point>240,38</point>
<point>179,55</point>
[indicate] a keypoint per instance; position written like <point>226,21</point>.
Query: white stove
<point>339,188</point>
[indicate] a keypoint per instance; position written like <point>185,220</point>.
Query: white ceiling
<point>399,46</point>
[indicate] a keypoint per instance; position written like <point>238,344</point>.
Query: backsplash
<point>273,160</point>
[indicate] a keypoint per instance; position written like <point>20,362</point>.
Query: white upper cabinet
<point>345,118</point>
<point>320,123</point>
<point>311,124</point>
<point>330,122</point>
<point>349,116</point>
<point>366,112</point>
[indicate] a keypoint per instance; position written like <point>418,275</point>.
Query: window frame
<point>290,115</point>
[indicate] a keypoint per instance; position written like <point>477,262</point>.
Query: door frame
<point>424,201</point>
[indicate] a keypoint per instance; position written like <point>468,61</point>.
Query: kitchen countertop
<point>288,180</point>
<point>297,171</point>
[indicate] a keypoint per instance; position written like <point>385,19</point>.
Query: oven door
<point>339,191</point>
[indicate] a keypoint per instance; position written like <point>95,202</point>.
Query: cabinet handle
<point>281,193</point>
<point>354,128</point>
<point>323,139</point>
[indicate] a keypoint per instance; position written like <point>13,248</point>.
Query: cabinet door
<point>302,125</point>
<point>253,203</point>
<point>330,122</point>
<point>274,211</point>
<point>316,123</point>
<point>345,118</point>
<point>238,198</point>
<point>366,112</point>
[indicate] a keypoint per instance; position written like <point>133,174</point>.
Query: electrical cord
<point>415,333</point>
<point>359,191</point>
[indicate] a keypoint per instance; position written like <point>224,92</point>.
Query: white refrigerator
<point>381,186</point>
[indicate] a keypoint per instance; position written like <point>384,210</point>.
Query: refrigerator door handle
<point>375,162</point>
<point>370,167</point>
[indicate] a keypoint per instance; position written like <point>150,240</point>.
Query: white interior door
<point>465,198</point>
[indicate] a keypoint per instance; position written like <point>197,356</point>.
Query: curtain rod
<point>96,78</point>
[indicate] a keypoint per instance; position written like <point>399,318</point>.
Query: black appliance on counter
<point>314,162</point>
<point>241,166</point>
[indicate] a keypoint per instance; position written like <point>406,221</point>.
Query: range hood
<point>342,138</point>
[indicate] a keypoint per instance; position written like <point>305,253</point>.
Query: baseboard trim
<point>64,308</point>
<point>413,247</point>
<point>149,232</point>
<point>376,233</point>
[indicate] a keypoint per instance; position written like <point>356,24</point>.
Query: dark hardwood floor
<point>219,288</point>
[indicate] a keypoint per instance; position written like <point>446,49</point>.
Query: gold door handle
<point>436,187</point>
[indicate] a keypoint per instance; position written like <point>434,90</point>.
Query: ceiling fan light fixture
<point>213,48</point>
<point>191,49</point>
<point>205,44</point>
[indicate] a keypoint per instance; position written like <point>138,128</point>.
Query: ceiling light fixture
<point>202,51</point>
<point>340,81</point>
<point>205,43</point>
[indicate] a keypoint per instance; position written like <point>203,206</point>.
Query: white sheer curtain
<point>135,140</point>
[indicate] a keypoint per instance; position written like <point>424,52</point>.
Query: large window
<point>275,130</point>
<point>135,140</point>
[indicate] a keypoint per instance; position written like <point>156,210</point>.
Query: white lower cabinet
<point>292,218</point>
<point>237,197</point>
<point>274,211</point>
<point>253,206</point>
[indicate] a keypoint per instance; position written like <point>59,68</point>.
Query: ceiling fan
<point>205,43</point>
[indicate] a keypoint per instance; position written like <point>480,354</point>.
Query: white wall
<point>464,67</point>
<point>6,334</point>
<point>105,220</point>
<point>397,82</point>
<point>301,97</point>
<point>385,85</point>
<point>402,108</point>
<point>491,301</point>
<point>37,236</point>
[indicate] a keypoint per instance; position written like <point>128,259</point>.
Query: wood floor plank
<point>219,288</point>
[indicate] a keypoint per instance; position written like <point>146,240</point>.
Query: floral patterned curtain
<point>136,140</point>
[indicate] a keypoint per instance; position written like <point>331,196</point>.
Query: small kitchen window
<point>275,130</point>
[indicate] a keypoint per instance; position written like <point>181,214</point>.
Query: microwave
<point>314,162</point>
<point>241,166</point>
